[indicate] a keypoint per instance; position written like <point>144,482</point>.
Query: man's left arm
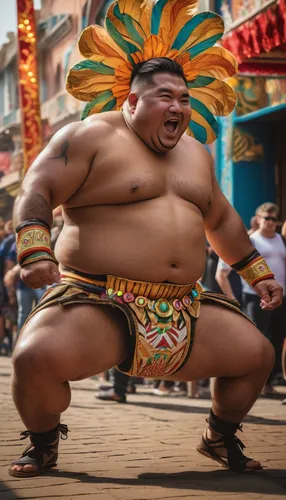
<point>229,239</point>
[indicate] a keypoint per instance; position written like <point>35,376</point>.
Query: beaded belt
<point>125,290</point>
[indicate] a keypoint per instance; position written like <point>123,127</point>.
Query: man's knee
<point>31,358</point>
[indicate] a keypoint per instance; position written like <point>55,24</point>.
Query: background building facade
<point>251,150</point>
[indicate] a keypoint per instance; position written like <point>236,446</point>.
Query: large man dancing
<point>138,197</point>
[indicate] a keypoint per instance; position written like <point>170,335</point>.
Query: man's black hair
<point>145,70</point>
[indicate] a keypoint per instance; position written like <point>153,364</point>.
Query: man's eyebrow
<point>169,91</point>
<point>165,89</point>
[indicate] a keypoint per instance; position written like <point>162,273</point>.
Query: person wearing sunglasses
<point>272,247</point>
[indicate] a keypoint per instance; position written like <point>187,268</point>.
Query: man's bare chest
<point>132,177</point>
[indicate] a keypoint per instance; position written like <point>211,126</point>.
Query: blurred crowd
<point>16,299</point>
<point>268,235</point>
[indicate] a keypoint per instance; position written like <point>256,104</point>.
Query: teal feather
<point>200,108</point>
<point>199,132</point>
<point>189,27</point>
<point>204,45</point>
<point>99,67</point>
<point>128,22</point>
<point>109,105</point>
<point>156,16</point>
<point>200,81</point>
<point>100,98</point>
<point>127,47</point>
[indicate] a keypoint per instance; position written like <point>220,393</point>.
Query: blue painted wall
<point>247,184</point>
<point>254,182</point>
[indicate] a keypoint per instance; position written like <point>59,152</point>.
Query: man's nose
<point>176,107</point>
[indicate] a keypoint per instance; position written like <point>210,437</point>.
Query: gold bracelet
<point>256,271</point>
<point>34,244</point>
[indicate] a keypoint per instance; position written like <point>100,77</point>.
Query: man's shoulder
<point>195,146</point>
<point>97,123</point>
<point>109,119</point>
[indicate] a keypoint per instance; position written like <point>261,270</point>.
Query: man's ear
<point>132,102</point>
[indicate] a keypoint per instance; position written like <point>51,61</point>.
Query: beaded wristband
<point>33,242</point>
<point>253,269</point>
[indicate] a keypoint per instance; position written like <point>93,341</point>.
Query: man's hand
<point>270,292</point>
<point>38,274</point>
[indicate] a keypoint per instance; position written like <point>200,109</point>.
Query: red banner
<point>28,82</point>
<point>261,34</point>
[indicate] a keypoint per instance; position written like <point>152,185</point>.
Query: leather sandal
<point>41,452</point>
<point>235,459</point>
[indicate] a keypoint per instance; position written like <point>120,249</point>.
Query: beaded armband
<point>253,268</point>
<point>33,242</point>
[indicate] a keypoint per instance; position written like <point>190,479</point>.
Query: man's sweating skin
<point>138,199</point>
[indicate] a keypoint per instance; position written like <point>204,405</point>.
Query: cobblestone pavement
<point>144,450</point>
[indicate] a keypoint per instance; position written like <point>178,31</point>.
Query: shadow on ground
<point>264,482</point>
<point>6,493</point>
<point>205,411</point>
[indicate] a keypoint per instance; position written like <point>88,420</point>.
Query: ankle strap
<point>221,426</point>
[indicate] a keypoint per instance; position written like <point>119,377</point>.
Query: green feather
<point>204,45</point>
<point>200,81</point>
<point>109,105</point>
<point>199,131</point>
<point>189,27</point>
<point>99,67</point>
<point>103,96</point>
<point>200,108</point>
<point>127,47</point>
<point>156,16</point>
<point>128,22</point>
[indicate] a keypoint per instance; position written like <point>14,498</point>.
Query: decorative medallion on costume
<point>139,30</point>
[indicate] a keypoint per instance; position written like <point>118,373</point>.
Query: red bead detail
<point>128,297</point>
<point>186,301</point>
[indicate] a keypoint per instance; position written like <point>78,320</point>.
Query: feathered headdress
<point>138,30</point>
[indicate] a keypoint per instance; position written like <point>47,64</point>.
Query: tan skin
<point>138,201</point>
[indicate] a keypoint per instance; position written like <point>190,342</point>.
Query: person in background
<point>272,247</point>
<point>119,388</point>
<point>7,298</point>
<point>26,297</point>
<point>228,281</point>
<point>254,225</point>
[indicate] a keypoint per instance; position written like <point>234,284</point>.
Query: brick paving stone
<point>144,450</point>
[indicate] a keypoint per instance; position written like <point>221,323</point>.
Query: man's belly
<point>148,241</point>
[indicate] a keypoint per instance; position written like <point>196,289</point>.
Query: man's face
<point>267,222</point>
<point>161,111</point>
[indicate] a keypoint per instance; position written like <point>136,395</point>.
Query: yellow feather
<point>198,118</point>
<point>139,12</point>
<point>86,84</point>
<point>96,40</point>
<point>112,62</point>
<point>182,11</point>
<point>218,97</point>
<point>217,62</point>
<point>203,31</point>
<point>154,47</point>
<point>121,28</point>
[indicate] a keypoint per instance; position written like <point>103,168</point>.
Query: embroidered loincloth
<point>161,316</point>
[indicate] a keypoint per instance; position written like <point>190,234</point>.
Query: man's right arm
<point>54,177</point>
<point>56,174</point>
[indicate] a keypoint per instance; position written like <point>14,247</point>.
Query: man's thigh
<point>75,341</point>
<point>225,345</point>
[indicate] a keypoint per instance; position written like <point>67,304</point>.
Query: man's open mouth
<point>172,124</point>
